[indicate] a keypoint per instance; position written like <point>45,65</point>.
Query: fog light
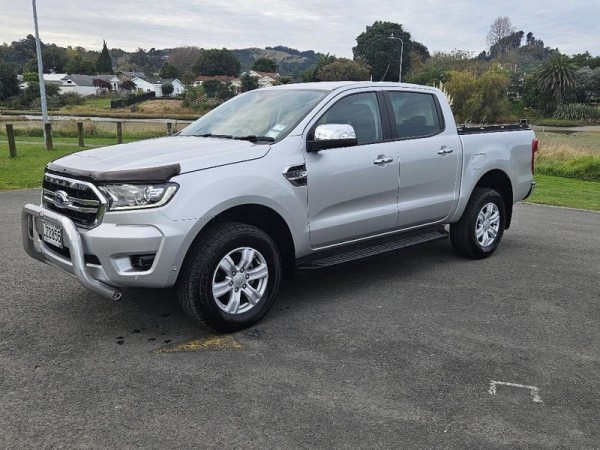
<point>142,262</point>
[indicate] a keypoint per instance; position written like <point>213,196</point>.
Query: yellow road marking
<point>214,343</point>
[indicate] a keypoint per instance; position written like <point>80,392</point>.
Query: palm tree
<point>556,76</point>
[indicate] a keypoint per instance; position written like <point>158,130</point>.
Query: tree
<point>102,84</point>
<point>9,85</point>
<point>499,29</point>
<point>488,104</point>
<point>104,62</point>
<point>225,91</point>
<point>249,83</point>
<point>168,71</point>
<point>344,69</point>
<point>437,68</point>
<point>375,48</point>
<point>188,78</point>
<point>479,99</point>
<point>79,65</point>
<point>264,65</point>
<point>167,89</point>
<point>54,58</point>
<point>31,76</point>
<point>210,87</point>
<point>506,44</point>
<point>312,73</point>
<point>557,76</point>
<point>217,62</point>
<point>128,85</point>
<point>183,58</point>
<point>322,61</point>
<point>587,84</point>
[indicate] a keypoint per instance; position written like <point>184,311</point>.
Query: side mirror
<point>332,135</point>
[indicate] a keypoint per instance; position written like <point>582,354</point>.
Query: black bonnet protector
<point>160,174</point>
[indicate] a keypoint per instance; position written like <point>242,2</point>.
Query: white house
<point>54,78</point>
<point>178,87</point>
<point>145,86</point>
<point>84,84</point>
<point>265,79</point>
<point>49,78</point>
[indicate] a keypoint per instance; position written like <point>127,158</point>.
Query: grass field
<point>568,166</point>
<point>92,129</point>
<point>559,191</point>
<point>575,155</point>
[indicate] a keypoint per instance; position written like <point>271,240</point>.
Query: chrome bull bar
<point>36,248</point>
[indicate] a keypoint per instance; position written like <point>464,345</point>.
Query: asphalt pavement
<point>418,349</point>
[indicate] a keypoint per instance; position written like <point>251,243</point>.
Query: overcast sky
<point>323,26</point>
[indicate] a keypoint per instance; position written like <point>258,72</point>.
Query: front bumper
<point>36,248</point>
<point>101,258</point>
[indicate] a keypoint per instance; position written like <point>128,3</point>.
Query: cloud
<point>328,27</point>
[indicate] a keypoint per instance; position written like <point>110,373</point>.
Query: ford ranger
<point>276,179</point>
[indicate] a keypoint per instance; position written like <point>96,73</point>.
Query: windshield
<point>260,115</point>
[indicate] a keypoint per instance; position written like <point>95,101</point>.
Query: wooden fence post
<point>48,135</point>
<point>80,133</point>
<point>10,134</point>
<point>119,132</point>
<point>169,128</point>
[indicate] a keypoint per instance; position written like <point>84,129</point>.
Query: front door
<point>353,191</point>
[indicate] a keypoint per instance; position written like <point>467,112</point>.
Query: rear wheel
<point>478,232</point>
<point>231,276</point>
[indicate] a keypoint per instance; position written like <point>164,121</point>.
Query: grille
<point>78,200</point>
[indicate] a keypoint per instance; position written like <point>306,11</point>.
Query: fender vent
<point>296,175</point>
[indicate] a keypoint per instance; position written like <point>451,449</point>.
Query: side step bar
<point>371,248</point>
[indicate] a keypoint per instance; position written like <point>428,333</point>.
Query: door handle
<point>445,151</point>
<point>382,160</point>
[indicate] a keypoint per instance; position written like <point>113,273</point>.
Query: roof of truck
<point>334,85</point>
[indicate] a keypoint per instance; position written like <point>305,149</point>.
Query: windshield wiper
<point>254,138</point>
<point>220,136</point>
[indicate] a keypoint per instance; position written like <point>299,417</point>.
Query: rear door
<point>353,191</point>
<point>429,156</point>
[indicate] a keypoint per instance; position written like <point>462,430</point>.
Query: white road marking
<point>535,391</point>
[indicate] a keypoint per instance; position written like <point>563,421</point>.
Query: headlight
<point>138,196</point>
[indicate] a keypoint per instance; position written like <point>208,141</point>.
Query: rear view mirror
<point>332,135</point>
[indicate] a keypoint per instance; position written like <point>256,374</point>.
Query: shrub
<point>578,111</point>
<point>71,98</point>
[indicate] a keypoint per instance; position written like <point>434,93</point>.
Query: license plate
<point>52,234</point>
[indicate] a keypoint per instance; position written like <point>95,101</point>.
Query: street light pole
<point>401,52</point>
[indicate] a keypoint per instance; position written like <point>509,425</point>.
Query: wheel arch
<point>267,220</point>
<point>499,181</point>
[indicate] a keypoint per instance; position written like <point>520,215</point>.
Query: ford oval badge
<point>61,199</point>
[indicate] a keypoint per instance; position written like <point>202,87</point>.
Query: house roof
<point>85,80</point>
<point>133,74</point>
<point>271,75</point>
<point>54,77</point>
<point>221,78</point>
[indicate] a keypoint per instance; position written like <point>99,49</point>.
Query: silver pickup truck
<point>276,179</point>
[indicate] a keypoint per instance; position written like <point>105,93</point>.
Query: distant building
<point>235,82</point>
<point>84,84</point>
<point>265,79</point>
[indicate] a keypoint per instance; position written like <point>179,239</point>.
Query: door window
<point>362,112</point>
<point>416,114</point>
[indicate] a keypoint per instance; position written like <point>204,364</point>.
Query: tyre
<point>478,232</point>
<point>230,277</point>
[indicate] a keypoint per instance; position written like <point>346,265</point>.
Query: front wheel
<point>230,277</point>
<point>478,232</point>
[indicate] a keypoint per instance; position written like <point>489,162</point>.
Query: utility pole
<point>40,65</point>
